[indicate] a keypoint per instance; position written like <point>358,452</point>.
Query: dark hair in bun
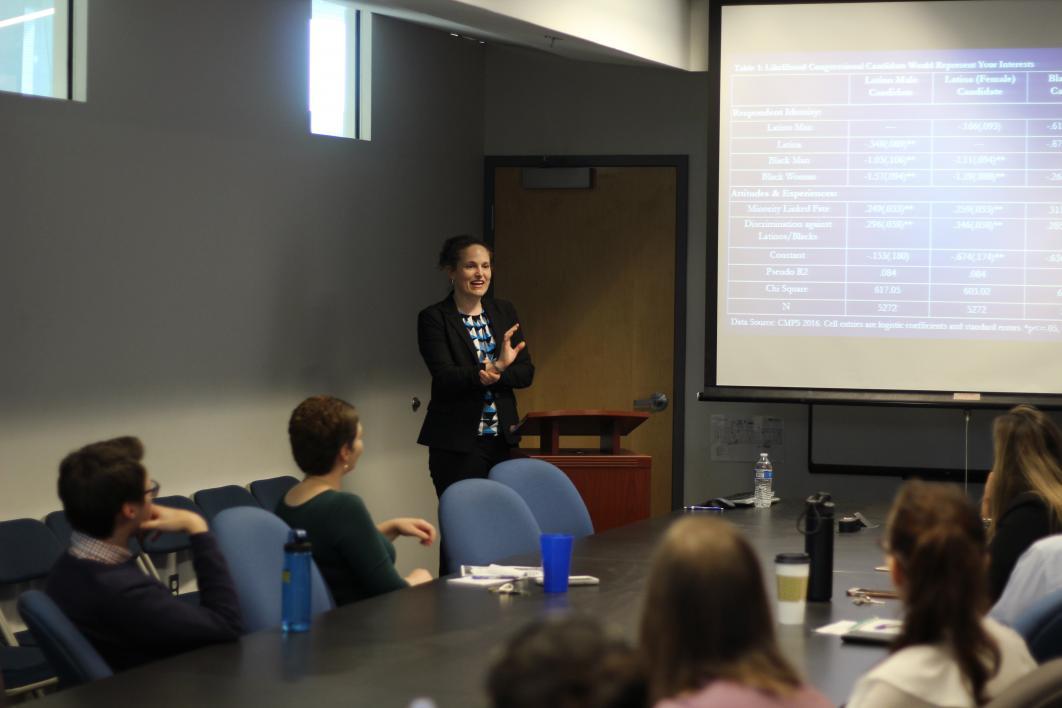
<point>450,255</point>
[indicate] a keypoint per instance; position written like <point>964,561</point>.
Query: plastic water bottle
<point>763,480</point>
<point>295,591</point>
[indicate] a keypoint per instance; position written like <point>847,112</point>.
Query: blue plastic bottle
<point>295,594</point>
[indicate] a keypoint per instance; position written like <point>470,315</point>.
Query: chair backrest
<point>483,521</point>
<point>74,659</point>
<point>1041,627</point>
<point>556,503</point>
<point>1041,688</point>
<point>171,542</point>
<point>218,499</point>
<point>270,491</point>
<point>60,526</point>
<point>28,550</point>
<point>252,541</point>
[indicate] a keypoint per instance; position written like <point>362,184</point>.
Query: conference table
<point>438,640</point>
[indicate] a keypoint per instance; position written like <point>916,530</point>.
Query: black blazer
<point>1025,521</point>
<point>452,422</point>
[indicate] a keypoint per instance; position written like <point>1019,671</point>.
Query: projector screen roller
<point>890,196</point>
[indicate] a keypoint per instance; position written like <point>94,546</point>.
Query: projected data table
<point>897,194</point>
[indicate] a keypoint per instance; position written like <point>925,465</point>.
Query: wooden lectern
<point>613,482</point>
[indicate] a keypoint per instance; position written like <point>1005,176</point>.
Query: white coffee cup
<point>791,572</point>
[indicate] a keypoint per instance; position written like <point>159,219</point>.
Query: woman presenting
<point>476,355</point>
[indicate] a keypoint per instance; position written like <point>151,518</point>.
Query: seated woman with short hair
<point>948,653</point>
<point>355,556</point>
<point>707,632</point>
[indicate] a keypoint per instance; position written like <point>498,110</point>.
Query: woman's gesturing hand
<point>508,352</point>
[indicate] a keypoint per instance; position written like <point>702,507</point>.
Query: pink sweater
<point>727,694</point>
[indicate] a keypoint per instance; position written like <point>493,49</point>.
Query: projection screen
<point>889,196</point>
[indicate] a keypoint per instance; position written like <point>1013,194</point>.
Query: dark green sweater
<point>356,560</point>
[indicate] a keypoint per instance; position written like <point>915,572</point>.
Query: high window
<point>340,69</point>
<point>42,47</point>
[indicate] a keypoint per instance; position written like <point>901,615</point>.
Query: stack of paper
<point>493,574</point>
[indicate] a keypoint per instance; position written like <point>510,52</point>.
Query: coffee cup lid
<point>792,558</point>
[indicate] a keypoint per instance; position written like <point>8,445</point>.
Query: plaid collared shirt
<point>88,548</point>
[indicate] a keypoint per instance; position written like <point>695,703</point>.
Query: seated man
<point>128,616</point>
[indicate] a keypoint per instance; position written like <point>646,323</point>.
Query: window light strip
<point>26,18</point>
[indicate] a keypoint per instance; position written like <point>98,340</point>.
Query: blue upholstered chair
<point>270,491</point>
<point>28,550</point>
<point>75,660</point>
<point>252,541</point>
<point>553,499</point>
<point>59,525</point>
<point>483,521</point>
<point>1041,627</point>
<point>218,499</point>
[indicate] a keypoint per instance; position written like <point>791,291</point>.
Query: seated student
<point>1037,573</point>
<point>707,631</point>
<point>1023,494</point>
<point>948,653</point>
<point>569,662</point>
<point>129,617</point>
<point>354,555</point>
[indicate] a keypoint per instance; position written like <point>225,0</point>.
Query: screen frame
<point>768,394</point>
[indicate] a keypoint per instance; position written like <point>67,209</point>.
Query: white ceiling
<point>492,27</point>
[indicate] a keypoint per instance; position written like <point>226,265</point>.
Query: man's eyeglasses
<point>152,492</point>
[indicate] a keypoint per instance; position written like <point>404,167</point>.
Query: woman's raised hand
<point>508,351</point>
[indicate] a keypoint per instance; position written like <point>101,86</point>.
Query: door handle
<point>656,403</point>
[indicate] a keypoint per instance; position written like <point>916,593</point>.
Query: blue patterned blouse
<point>478,327</point>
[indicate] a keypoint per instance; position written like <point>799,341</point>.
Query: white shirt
<point>928,675</point>
<point>1037,573</point>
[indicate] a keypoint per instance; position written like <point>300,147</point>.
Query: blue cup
<point>556,561</point>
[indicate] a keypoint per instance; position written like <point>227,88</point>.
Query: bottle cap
<point>792,558</point>
<point>298,541</point>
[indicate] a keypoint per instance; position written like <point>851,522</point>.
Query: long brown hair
<point>936,536</point>
<point>1027,458</point>
<point>706,615</point>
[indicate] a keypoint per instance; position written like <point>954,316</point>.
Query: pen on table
<point>697,507</point>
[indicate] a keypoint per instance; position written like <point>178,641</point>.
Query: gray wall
<point>537,104</point>
<point>181,260</point>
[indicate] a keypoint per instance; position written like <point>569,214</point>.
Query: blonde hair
<point>706,615</point>
<point>1028,451</point>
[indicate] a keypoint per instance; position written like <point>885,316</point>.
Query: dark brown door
<point>592,275</point>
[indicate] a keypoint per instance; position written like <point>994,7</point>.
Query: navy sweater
<point>132,619</point>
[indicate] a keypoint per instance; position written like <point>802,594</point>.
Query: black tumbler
<point>818,543</point>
